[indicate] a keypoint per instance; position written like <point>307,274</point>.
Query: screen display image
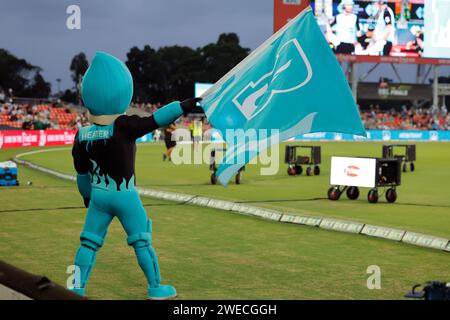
<point>373,27</point>
<point>437,29</point>
<point>201,88</point>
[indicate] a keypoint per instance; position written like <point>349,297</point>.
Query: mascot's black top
<point>104,155</point>
<point>109,151</point>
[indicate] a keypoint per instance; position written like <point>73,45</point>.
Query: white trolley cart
<point>348,174</point>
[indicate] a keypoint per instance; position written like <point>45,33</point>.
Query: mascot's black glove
<point>189,104</point>
<point>86,202</point>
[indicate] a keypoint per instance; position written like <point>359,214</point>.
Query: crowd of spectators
<point>146,107</point>
<point>40,117</point>
<point>47,116</point>
<point>433,118</point>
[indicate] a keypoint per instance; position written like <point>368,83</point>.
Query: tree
<point>220,57</point>
<point>38,88</point>
<point>228,38</point>
<point>22,77</point>
<point>181,68</point>
<point>78,67</point>
<point>169,73</point>
<point>69,96</point>
<point>146,69</point>
<point>165,74</point>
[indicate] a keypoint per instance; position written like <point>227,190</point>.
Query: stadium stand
<point>40,116</point>
<point>47,116</point>
<point>406,119</point>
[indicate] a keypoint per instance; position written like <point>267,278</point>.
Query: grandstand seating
<point>60,118</point>
<point>373,118</point>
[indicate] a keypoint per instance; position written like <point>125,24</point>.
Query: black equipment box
<point>295,160</point>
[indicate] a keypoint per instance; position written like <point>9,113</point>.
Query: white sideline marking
<point>40,151</point>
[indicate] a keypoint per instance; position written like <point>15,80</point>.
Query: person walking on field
<point>169,140</point>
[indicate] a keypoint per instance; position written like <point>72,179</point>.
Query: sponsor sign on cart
<point>358,172</point>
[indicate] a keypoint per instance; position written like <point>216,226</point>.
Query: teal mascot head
<point>107,86</point>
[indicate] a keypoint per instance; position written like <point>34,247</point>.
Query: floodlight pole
<point>364,76</point>
<point>396,72</point>
<point>354,79</point>
<point>435,85</point>
<point>419,73</point>
<point>425,76</point>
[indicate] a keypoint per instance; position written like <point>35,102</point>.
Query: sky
<point>36,29</point>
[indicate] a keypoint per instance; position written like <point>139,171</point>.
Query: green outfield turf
<point>213,254</point>
<point>423,203</point>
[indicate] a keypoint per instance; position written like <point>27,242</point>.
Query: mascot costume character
<point>104,156</point>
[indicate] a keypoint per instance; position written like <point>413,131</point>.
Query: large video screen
<point>437,29</point>
<point>396,28</point>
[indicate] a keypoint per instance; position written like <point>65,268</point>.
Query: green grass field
<point>211,254</point>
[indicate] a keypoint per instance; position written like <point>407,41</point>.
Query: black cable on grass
<point>156,204</point>
<point>315,199</point>
<point>280,200</point>
<point>193,197</point>
<point>82,207</point>
<point>39,209</point>
<point>422,205</point>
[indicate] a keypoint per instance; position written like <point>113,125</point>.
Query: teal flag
<point>292,84</point>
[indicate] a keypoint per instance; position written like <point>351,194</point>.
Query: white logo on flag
<point>246,100</point>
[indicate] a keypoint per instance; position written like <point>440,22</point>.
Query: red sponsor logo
<point>352,171</point>
<point>35,138</point>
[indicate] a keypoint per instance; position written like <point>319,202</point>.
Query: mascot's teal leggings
<point>104,206</point>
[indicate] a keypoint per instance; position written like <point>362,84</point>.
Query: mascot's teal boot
<point>78,291</point>
<point>162,292</point>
